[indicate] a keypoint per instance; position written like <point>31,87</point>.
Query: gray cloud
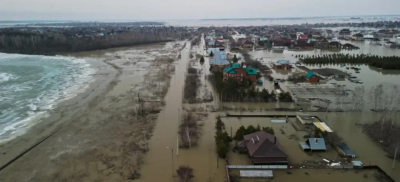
<point>188,9</point>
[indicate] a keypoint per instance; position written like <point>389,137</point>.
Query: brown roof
<point>263,144</point>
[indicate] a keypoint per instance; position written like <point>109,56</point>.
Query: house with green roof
<point>237,72</point>
<point>312,77</point>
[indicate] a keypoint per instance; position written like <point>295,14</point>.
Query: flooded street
<point>202,158</point>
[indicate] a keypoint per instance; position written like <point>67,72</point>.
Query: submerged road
<point>158,163</point>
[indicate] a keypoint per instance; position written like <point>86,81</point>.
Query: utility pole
<point>172,157</point>
<point>177,144</point>
<point>394,159</point>
<point>145,139</point>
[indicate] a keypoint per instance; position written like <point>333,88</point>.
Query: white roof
<point>322,126</point>
<point>256,173</point>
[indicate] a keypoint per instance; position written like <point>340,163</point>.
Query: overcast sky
<point>189,9</point>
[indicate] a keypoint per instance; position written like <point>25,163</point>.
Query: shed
<point>322,126</point>
<point>314,144</point>
<point>357,164</point>
<point>345,150</point>
<point>278,121</point>
<point>256,173</point>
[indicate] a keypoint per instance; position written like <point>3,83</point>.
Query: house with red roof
<point>303,37</point>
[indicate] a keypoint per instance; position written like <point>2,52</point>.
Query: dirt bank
<point>101,134</point>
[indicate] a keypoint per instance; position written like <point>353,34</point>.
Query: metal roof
<point>263,144</point>
<point>256,173</point>
<point>219,58</point>
<point>304,146</point>
<point>310,74</point>
<point>317,143</point>
<point>281,62</point>
<point>231,69</point>
<point>346,150</point>
<point>250,71</point>
<point>357,163</point>
<point>322,126</point>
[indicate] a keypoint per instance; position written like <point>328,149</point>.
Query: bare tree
<point>185,173</point>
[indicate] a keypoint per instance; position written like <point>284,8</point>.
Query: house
<point>369,37</point>
<point>302,37</point>
<point>219,45</point>
<point>358,36</point>
<point>345,151</point>
<point>333,44</point>
<point>312,78</point>
<point>219,61</point>
<point>349,46</point>
<point>304,43</point>
<point>248,44</point>
<point>340,76</point>
<point>263,149</point>
<point>282,64</point>
<point>237,72</point>
<point>211,43</point>
<point>235,49</point>
<point>313,144</point>
<point>345,32</point>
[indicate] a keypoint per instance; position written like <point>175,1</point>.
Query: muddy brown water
<point>344,124</point>
<point>160,162</point>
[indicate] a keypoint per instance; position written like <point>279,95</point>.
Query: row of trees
<point>233,91</point>
<point>384,62</point>
<point>242,131</point>
<point>222,139</point>
<point>192,83</point>
<point>52,44</point>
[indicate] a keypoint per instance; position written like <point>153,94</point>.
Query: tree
<point>185,173</point>
<point>202,59</point>
<point>211,54</point>
<point>235,59</point>
<point>240,133</point>
<point>269,130</point>
<point>219,125</point>
<point>222,141</point>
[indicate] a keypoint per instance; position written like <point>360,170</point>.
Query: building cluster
<point>93,29</point>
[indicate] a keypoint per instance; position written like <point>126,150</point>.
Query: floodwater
<point>277,21</point>
<point>161,162</point>
<point>370,76</point>
<point>343,124</point>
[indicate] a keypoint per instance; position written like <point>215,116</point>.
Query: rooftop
<point>231,69</point>
<point>250,71</point>
<point>263,144</point>
<point>310,74</point>
<point>281,62</point>
<point>219,58</point>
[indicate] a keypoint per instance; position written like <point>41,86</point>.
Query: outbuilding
<point>312,77</point>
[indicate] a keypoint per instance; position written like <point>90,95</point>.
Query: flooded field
<point>344,124</point>
<point>102,134</point>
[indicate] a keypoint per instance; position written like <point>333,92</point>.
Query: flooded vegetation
<point>387,62</point>
<point>175,112</point>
